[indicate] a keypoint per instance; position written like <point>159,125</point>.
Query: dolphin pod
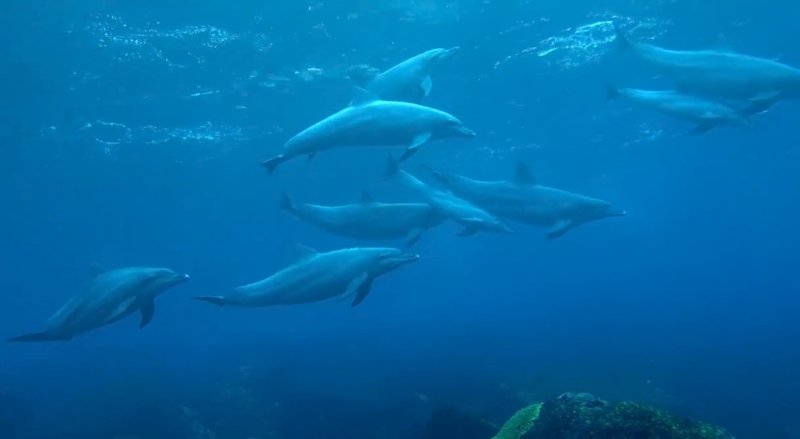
<point>109,297</point>
<point>387,112</point>
<point>319,276</point>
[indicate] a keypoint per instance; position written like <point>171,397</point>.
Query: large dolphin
<point>369,219</point>
<point>462,212</point>
<point>704,113</point>
<point>408,81</point>
<point>318,276</point>
<point>524,200</point>
<point>371,122</point>
<point>721,74</point>
<point>109,297</point>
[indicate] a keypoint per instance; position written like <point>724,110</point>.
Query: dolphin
<point>408,81</point>
<point>524,200</point>
<point>372,122</point>
<point>720,74</point>
<point>109,297</point>
<point>704,113</point>
<point>319,276</point>
<point>462,212</point>
<point>369,219</point>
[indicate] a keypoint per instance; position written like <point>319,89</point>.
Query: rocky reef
<point>580,416</point>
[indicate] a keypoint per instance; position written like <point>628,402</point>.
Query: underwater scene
<point>399,219</point>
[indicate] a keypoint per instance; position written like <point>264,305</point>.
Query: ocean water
<point>132,134</point>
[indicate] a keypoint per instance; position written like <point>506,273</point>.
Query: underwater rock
<point>447,423</point>
<point>583,416</point>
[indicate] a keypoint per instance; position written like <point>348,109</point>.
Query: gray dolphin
<point>369,219</point>
<point>408,81</point>
<point>318,276</point>
<point>109,297</point>
<point>524,200</point>
<point>721,74</point>
<point>473,218</point>
<point>706,114</point>
<point>371,122</point>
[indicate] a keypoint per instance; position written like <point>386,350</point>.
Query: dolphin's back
<point>371,220</point>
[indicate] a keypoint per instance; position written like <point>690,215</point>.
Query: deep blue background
<point>689,301</point>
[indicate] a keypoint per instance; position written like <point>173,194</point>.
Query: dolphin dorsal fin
<point>305,251</point>
<point>362,96</point>
<point>523,174</point>
<point>96,270</point>
<point>366,197</point>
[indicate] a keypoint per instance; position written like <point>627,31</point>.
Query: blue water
<point>132,134</point>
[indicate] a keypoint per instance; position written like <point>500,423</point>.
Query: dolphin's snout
<point>408,258</point>
<point>466,132</point>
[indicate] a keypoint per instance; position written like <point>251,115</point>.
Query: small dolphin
<point>721,74</point>
<point>109,297</point>
<point>369,219</point>
<point>373,122</point>
<point>704,113</point>
<point>408,81</point>
<point>473,218</point>
<point>319,276</point>
<point>524,200</point>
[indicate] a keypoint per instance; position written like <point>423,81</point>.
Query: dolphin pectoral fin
<point>311,155</point>
<point>305,251</point>
<point>559,229</point>
<point>148,310</point>
<point>426,85</point>
<point>286,202</point>
<point>363,96</point>
<point>362,292</point>
<point>413,236</point>
<point>354,287</point>
<point>414,147</point>
<point>523,175</point>
<point>701,129</point>
<point>36,337</point>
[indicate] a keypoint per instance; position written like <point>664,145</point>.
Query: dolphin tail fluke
<point>286,202</point>
<point>391,169</point>
<point>216,300</point>
<point>272,164</point>
<point>611,92</point>
<point>36,337</point>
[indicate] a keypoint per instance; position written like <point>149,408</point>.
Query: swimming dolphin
<point>408,81</point>
<point>109,297</point>
<point>721,74</point>
<point>706,114</point>
<point>473,218</point>
<point>524,200</point>
<point>369,219</point>
<point>372,122</point>
<point>318,276</point>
